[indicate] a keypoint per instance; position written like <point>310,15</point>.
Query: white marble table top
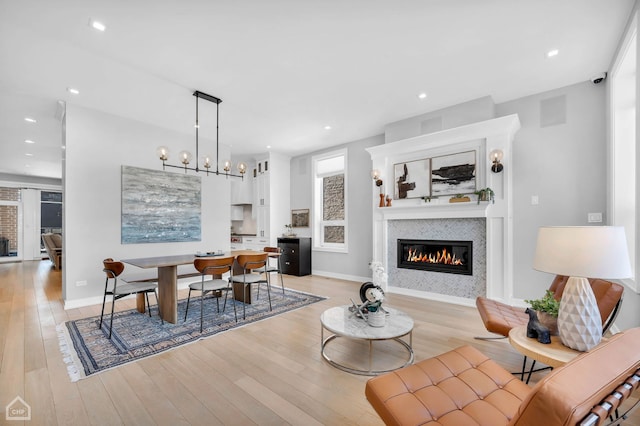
<point>341,321</point>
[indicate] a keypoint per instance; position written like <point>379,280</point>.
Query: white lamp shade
<point>583,251</point>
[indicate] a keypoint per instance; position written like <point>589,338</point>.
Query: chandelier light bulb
<point>163,153</point>
<point>242,168</point>
<point>185,157</point>
<point>207,162</point>
<point>227,166</point>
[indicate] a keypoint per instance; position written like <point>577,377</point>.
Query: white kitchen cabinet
<point>242,190</point>
<point>237,213</point>
<point>257,243</point>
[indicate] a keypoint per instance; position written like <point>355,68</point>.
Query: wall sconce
<point>496,156</point>
<point>375,174</point>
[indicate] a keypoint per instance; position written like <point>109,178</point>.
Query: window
<point>330,201</point>
<point>623,158</point>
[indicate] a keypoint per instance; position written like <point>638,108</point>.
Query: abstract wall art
<point>159,207</point>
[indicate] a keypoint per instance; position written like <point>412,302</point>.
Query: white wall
<point>97,145</point>
<point>564,165</point>
<point>354,264</point>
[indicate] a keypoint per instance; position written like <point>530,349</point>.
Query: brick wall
<point>9,218</point>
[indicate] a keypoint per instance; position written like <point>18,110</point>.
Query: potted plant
<point>547,308</point>
<point>289,232</point>
<point>485,194</point>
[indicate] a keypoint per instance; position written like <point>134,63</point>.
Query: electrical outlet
<point>81,283</point>
<point>594,217</point>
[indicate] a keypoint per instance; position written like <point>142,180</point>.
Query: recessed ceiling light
<point>552,53</point>
<point>422,96</point>
<point>327,127</point>
<point>268,146</point>
<point>97,25</point>
<point>29,154</point>
<point>28,141</point>
<point>30,120</point>
<point>27,166</point>
<point>73,91</point>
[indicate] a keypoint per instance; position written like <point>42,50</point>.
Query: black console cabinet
<point>296,255</point>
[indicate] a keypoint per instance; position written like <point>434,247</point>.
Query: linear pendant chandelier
<point>185,156</point>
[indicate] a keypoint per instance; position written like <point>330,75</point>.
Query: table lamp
<point>581,252</point>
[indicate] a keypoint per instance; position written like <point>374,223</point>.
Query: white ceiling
<point>284,68</point>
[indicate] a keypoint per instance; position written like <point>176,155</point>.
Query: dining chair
<point>213,267</point>
<point>272,252</point>
<point>249,263</point>
<point>113,269</point>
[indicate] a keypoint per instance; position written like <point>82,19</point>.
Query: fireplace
<point>453,257</point>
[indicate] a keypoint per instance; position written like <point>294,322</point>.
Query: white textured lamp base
<point>579,322</point>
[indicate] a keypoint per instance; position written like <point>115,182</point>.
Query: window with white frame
<point>330,201</point>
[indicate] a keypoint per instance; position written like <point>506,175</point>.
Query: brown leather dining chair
<point>113,269</point>
<point>249,263</point>
<point>211,281</point>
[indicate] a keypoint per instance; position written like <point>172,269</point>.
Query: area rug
<point>87,349</point>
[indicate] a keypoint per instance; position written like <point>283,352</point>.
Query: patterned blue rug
<point>88,350</point>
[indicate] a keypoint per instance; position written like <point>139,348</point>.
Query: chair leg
<point>104,300</point>
<point>113,304</point>
<point>146,295</point>
<point>201,309</point>
<point>281,281</point>
<point>187,308</point>
<point>269,290</point>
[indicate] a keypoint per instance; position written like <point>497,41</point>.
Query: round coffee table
<point>343,323</point>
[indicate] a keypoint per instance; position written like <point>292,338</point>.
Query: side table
<point>554,354</point>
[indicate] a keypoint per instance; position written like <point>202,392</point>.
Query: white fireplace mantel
<point>483,137</point>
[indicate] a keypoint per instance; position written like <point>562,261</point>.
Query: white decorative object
<point>377,318</point>
<point>379,276</point>
<point>580,252</point>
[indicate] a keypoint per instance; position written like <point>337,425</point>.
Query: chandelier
<point>185,156</point>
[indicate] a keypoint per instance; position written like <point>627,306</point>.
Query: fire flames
<point>442,257</point>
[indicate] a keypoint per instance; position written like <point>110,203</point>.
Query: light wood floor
<point>270,372</point>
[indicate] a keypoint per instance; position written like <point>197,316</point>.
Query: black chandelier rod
<point>198,94</point>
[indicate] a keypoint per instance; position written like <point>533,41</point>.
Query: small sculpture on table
<point>371,309</point>
<point>537,330</point>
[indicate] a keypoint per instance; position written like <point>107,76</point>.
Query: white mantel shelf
<point>435,211</point>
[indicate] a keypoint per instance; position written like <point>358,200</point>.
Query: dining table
<point>168,280</point>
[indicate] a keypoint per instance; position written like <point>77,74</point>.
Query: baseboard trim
<point>342,276</point>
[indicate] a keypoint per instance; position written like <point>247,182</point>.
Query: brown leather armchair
<point>464,387</point>
<point>500,318</point>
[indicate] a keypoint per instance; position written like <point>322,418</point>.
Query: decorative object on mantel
<point>496,157</point>
<point>535,329</point>
<point>459,198</point>
<point>375,174</point>
<point>485,194</point>
<point>388,201</point>
<point>185,156</point>
<point>429,199</point>
<point>580,252</point>
<point>547,309</point>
